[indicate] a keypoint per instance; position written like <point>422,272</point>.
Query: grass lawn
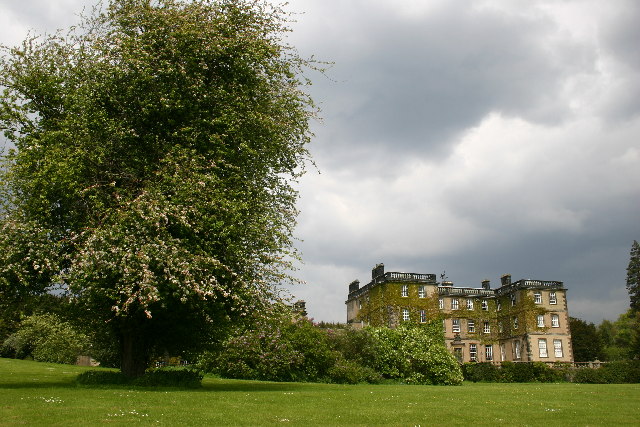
<point>34,393</point>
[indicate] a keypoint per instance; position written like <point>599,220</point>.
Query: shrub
<point>417,355</point>
<point>521,372</point>
<point>46,338</point>
<point>349,372</point>
<point>482,372</point>
<point>588,376</point>
<point>546,374</point>
<point>279,350</point>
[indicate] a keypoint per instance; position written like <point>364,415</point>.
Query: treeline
<point>608,341</point>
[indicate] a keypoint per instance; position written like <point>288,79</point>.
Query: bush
<point>185,378</point>
<point>589,376</point>
<point>279,350</point>
<point>349,372</point>
<point>618,372</point>
<point>417,355</point>
<point>282,350</point>
<point>482,372</point>
<point>46,338</point>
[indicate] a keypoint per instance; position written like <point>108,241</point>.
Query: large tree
<point>633,277</point>
<point>585,341</point>
<point>156,149</point>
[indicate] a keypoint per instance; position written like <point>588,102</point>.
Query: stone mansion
<point>526,320</point>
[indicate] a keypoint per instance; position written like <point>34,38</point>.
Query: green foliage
<point>349,372</point>
<point>617,372</point>
<point>275,350</point>
<point>46,338</point>
<point>157,147</point>
<point>414,354</point>
<point>511,372</point>
<point>299,351</point>
<point>633,276</point>
<point>483,372</point>
<point>585,341</point>
<point>427,360</point>
<point>183,378</point>
<point>619,337</point>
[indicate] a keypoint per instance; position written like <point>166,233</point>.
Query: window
<point>441,303</point>
<point>516,349</point>
<point>421,292</point>
<point>423,316</point>
<point>444,326</point>
<point>513,300</point>
<point>557,348</point>
<point>359,304</point>
<point>405,314</point>
<point>552,298</point>
<point>473,352</point>
<point>542,347</point>
<point>405,291</point>
<point>555,321</point>
<point>540,321</point>
<point>537,297</point>
<point>500,328</point>
<point>485,304</point>
<point>515,323</point>
<point>456,325</point>
<point>486,328</point>
<point>488,352</point>
<point>498,306</point>
<point>503,355</point>
<point>471,326</point>
<point>454,304</point>
<point>469,304</point>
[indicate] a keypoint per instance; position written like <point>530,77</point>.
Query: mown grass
<point>34,393</point>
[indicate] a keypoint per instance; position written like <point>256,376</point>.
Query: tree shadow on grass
<point>250,387</point>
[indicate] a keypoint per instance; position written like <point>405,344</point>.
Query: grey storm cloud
<point>411,86</point>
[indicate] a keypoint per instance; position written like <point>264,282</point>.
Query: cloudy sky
<point>473,137</point>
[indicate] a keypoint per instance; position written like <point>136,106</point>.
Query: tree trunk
<point>134,360</point>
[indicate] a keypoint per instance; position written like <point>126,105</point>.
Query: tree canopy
<point>633,277</point>
<point>156,148</point>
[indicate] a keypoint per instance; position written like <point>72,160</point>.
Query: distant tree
<point>633,277</point>
<point>620,337</point>
<point>152,181</point>
<point>585,341</point>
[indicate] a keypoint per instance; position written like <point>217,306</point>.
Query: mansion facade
<point>521,321</point>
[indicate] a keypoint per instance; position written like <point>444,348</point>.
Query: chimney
<point>354,286</point>
<point>505,279</point>
<point>486,284</point>
<point>377,271</point>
